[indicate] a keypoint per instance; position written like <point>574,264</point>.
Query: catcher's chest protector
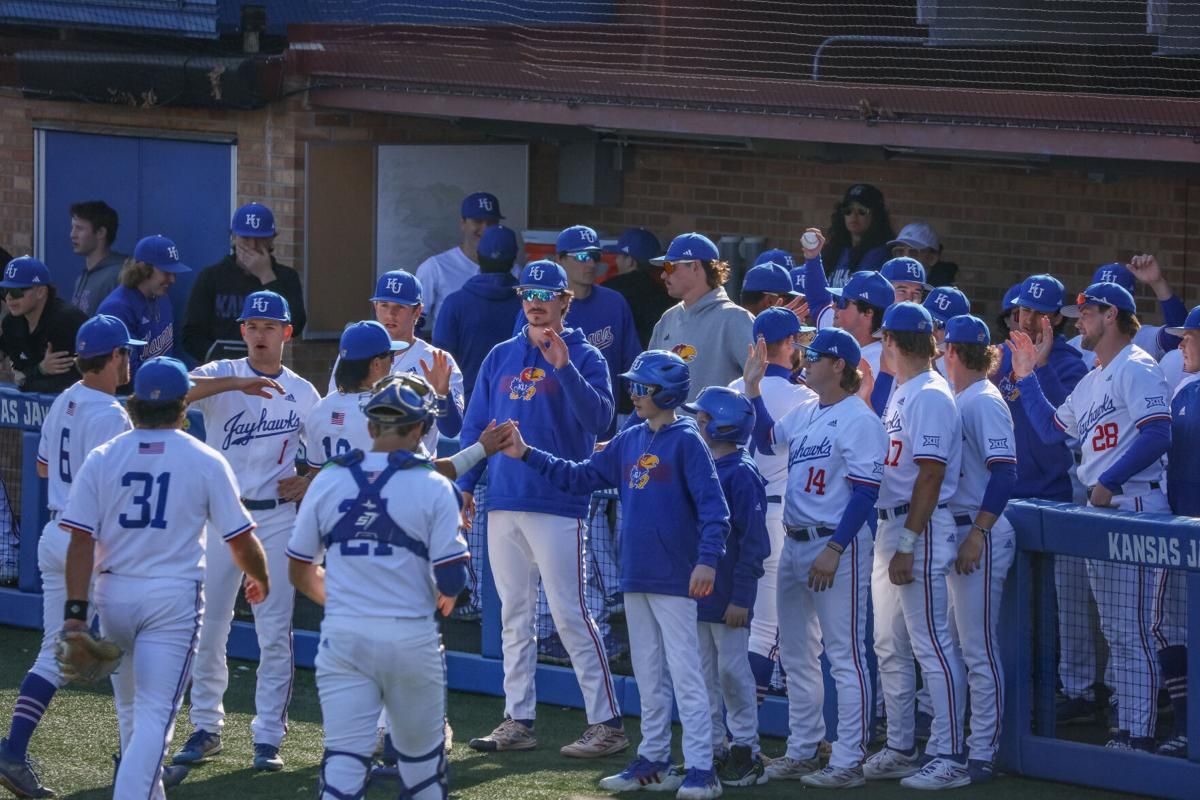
<point>366,519</point>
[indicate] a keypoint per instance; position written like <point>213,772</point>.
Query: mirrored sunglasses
<point>642,389</point>
<point>537,295</point>
<point>585,256</point>
<point>812,356</point>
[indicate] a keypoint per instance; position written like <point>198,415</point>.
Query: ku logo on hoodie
<point>685,351</point>
<point>639,476</point>
<point>524,386</point>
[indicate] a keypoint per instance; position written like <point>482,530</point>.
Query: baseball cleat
<point>940,773</point>
<point>597,741</point>
<point>835,778</point>
<point>266,758</point>
<point>17,774</point>
<point>980,771</point>
<point>199,747</point>
<point>509,735</point>
<point>785,768</point>
<point>1176,747</point>
<point>173,775</point>
<point>741,768</point>
<point>643,774</point>
<point>699,784</point>
<point>889,764</point>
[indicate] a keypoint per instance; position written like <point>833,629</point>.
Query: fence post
<point>1193,665</point>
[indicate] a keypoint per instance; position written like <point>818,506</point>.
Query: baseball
<point>810,241</point>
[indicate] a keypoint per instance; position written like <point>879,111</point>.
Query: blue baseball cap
<point>1101,294</point>
<point>1115,273</point>
<point>102,334</point>
<point>945,302</point>
<point>265,305</point>
<point>690,247</point>
<point>769,277</point>
<point>253,221</point>
<point>905,270</point>
<point>481,205</point>
<point>1041,293</point>
<point>498,243</point>
<point>1010,297</point>
<point>161,378</point>
<point>776,324</point>
<point>870,287</point>
<point>966,329</point>
<point>637,243</point>
<point>398,286</point>
<point>798,278</point>
<point>776,256</point>
<point>577,239</point>
<point>25,272</point>
<point>1192,323</point>
<point>837,343</point>
<point>367,339</point>
<point>543,274</point>
<point>907,316</point>
<point>159,251</point>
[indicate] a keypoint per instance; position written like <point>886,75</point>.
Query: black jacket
<point>647,298</point>
<point>216,303</point>
<point>57,327</point>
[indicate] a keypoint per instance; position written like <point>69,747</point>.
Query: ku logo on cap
<point>536,273</point>
<point>1036,291</point>
<point>1108,276</point>
<point>942,302</point>
<point>912,270</point>
<point>393,285</point>
<point>485,203</point>
<point>587,235</point>
<point>259,304</point>
<point>173,252</point>
<point>253,221</point>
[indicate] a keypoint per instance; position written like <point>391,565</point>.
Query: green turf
<point>77,737</point>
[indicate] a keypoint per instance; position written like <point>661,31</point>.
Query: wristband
<point>75,609</point>
<point>975,526</point>
<point>525,455</point>
<point>835,547</point>
<point>464,460</point>
<point>908,540</point>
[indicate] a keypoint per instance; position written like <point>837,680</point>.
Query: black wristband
<point>75,609</point>
<point>835,547</point>
<point>525,455</point>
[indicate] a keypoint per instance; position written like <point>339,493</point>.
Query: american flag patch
<point>338,418</point>
<point>70,408</point>
<point>150,448</point>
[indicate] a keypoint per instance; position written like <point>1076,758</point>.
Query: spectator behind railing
<point>38,335</point>
<point>93,231</point>
<point>859,232</point>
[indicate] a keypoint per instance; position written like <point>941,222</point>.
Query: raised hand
<point>1024,354</point>
<point>799,307</point>
<point>868,384</point>
<point>755,367</point>
<point>554,349</point>
<point>438,374</point>
<point>1145,268</point>
<point>813,252</point>
<point>1044,342</point>
<point>255,261</point>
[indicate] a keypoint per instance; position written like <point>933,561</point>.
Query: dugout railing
<point>1032,744</point>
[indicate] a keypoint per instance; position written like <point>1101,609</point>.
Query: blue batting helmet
<point>401,399</point>
<point>665,370</point>
<point>731,413</point>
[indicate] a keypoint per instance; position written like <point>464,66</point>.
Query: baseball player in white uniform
<point>915,549</point>
<point>1120,413</point>
<point>859,308</point>
<point>781,331</point>
<point>136,514</point>
<point>387,525</point>
<point>834,444</point>
<point>398,303</point>
<point>447,271</point>
<point>1140,269</point>
<point>986,540</point>
<point>260,437</point>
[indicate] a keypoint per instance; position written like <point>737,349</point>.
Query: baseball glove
<point>84,659</point>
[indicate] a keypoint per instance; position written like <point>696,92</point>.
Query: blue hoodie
<point>152,321</point>
<point>1041,468</point>
<point>475,319</point>
<point>559,410</point>
<point>748,543</point>
<point>673,512</point>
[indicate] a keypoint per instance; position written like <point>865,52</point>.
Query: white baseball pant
<point>523,545</point>
<point>666,655</point>
<point>731,697</point>
<point>367,663</point>
<point>272,625</point>
<point>52,561</point>
<point>764,625</point>
<point>837,620</point>
<point>156,621</point>
<point>912,620</point>
<point>975,615</point>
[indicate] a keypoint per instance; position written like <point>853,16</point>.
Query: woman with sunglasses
<point>859,232</point>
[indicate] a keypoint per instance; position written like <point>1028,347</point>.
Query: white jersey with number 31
<point>921,423</point>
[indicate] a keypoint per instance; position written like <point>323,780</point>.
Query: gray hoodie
<point>712,336</point>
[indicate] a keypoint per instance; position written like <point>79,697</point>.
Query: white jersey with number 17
<point>921,422</point>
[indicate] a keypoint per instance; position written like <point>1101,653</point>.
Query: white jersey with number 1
<point>336,425</point>
<point>921,423</point>
<point>79,421</point>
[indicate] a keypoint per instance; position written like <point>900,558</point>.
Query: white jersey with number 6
<point>80,420</point>
<point>829,448</point>
<point>987,429</point>
<point>921,423</point>
<point>336,425</point>
<point>1107,407</point>
<point>258,436</point>
<point>145,497</point>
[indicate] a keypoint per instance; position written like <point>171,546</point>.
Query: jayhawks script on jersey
<point>921,424</point>
<point>258,436</point>
<point>1108,406</point>
<point>335,426</point>
<point>367,576</point>
<point>781,396</point>
<point>145,497</point>
<point>79,421</point>
<point>829,448</point>
<point>987,430</point>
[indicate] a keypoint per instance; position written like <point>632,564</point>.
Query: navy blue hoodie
<point>475,319</point>
<point>748,543</point>
<point>562,411</point>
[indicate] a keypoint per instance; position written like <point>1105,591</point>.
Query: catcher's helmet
<point>665,370</point>
<point>401,399</point>
<point>731,412</point>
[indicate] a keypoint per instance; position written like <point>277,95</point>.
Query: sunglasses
<point>813,356</point>
<point>856,211</point>
<point>904,250</point>
<point>537,295</point>
<point>1082,299</point>
<point>669,267</point>
<point>15,294</point>
<point>642,389</point>
<point>585,256</point>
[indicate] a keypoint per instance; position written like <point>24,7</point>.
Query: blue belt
<point>262,505</point>
<point>809,534</point>
<point>899,511</point>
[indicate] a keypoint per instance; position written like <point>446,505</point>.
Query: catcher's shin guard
<point>425,786</point>
<point>327,792</point>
